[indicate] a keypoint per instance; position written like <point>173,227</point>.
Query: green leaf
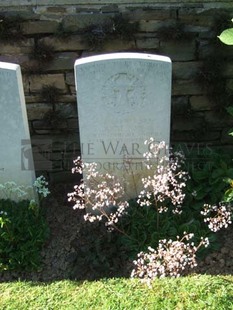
<point>227,36</point>
<point>228,196</point>
<point>227,180</point>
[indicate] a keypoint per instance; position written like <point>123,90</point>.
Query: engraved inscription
<point>123,88</point>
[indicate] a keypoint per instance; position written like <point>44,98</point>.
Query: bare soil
<point>74,249</point>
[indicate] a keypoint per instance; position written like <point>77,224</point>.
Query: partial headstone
<point>16,161</point>
<point>123,99</point>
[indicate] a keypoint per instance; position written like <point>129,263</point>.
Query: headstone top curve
<point>118,56</point>
<point>9,66</point>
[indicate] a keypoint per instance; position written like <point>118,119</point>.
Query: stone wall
<point>46,37</point>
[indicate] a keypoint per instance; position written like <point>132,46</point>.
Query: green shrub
<point>174,216</point>
<point>206,185</point>
<point>23,229</point>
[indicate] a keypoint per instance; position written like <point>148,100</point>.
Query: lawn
<point>193,292</point>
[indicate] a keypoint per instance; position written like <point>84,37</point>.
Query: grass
<point>194,292</point>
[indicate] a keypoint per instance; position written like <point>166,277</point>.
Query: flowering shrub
<point>167,182</point>
<point>159,213</point>
<point>210,196</point>
<point>40,186</point>
<point>102,194</point>
<point>12,191</point>
<point>170,259</point>
<point>23,229</point>
<point>217,216</point>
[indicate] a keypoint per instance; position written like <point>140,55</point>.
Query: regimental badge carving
<point>123,90</point>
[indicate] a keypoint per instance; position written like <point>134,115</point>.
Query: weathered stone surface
<point>207,35</point>
<point>149,26</point>
<point>61,142</point>
<point>71,43</point>
<point>149,14</point>
<point>152,25</point>
<point>82,21</point>
<point>16,59</point>
<point>68,99</point>
<point>220,120</point>
<point>186,123</point>
<point>72,90</point>
<point>37,111</point>
<point>200,103</point>
<point>62,177</point>
<point>26,13</point>
<point>35,98</point>
<point>186,87</point>
<point>86,10</point>
<point>227,51</point>
<point>57,165</point>
<point>205,49</point>
<point>73,145</point>
<point>33,84</point>
<point>31,99</point>
<point>38,27</point>
<point>197,136</point>
<point>69,78</point>
<point>228,70</point>
<point>117,45</point>
<point>180,105</point>
<point>112,8</point>
<point>148,43</point>
<point>75,2</point>
<point>192,18</point>
<point>196,29</point>
<point>178,51</point>
<point>54,125</point>
<point>56,156</point>
<point>63,61</point>
<point>16,161</point>
<point>73,123</point>
<point>56,9</point>
<point>186,70</point>
<point>67,109</point>
<point>43,127</point>
<point>17,47</point>
<point>123,99</point>
<point>90,53</point>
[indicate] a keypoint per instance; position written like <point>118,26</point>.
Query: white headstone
<point>123,99</point>
<point>16,162</point>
